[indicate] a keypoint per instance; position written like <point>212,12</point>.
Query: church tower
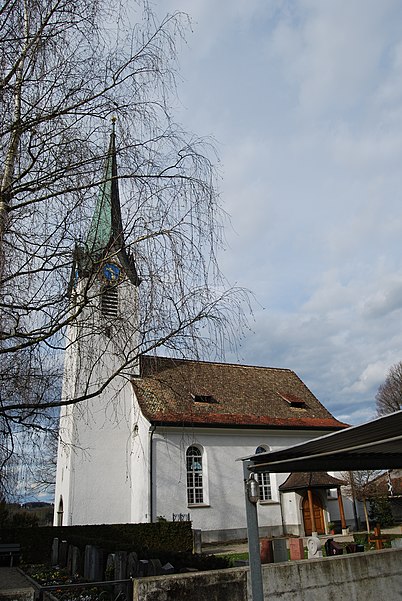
<point>100,358</point>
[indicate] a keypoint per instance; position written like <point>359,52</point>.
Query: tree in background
<point>381,512</point>
<point>361,486</point>
<point>66,68</point>
<point>389,395</point>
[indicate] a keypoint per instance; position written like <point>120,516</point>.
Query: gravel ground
<point>11,579</point>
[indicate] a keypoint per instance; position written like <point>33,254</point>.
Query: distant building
<point>389,485</point>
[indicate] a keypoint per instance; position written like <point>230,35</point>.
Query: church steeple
<point>106,231</point>
<point>105,240</point>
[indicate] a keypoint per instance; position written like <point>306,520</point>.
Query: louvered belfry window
<point>110,301</point>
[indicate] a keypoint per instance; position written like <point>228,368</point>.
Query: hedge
<point>147,540</point>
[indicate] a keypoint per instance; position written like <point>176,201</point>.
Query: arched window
<point>60,512</point>
<point>195,489</point>
<point>264,479</point>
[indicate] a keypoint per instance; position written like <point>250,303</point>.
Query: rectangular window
<point>264,481</point>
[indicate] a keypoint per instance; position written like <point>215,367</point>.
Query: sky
<point>303,100</point>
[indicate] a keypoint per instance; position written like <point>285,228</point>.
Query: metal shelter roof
<point>375,445</point>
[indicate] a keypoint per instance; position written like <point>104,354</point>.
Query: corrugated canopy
<point>375,445</point>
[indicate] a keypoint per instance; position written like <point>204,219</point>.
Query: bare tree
<point>363,486</point>
<point>66,68</point>
<point>389,395</point>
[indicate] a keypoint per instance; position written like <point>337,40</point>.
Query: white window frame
<point>195,471</point>
<point>264,479</point>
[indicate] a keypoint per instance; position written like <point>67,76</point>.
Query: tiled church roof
<point>185,392</point>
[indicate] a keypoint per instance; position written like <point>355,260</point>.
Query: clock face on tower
<point>111,272</point>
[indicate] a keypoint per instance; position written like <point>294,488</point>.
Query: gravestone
<point>296,548</point>
<point>143,567</point>
<point>132,564</point>
<point>69,558</point>
<point>120,565</point>
<point>55,552</point>
<point>154,567</point>
<point>266,551</point>
<point>109,572</point>
<point>76,561</point>
<point>93,563</point>
<point>63,551</point>
<point>333,548</point>
<point>280,549</point>
<point>314,547</point>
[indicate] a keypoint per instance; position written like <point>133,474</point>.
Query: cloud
<point>304,99</point>
<point>332,52</point>
<point>385,300</point>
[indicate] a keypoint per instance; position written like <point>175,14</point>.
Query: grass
<point>232,557</point>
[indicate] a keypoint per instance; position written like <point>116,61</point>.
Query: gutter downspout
<point>150,484</point>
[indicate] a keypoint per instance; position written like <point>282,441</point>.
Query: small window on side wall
<point>195,484</point>
<point>264,478</point>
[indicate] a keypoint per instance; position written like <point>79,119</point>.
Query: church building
<point>157,437</point>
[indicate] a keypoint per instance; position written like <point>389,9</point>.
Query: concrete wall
<point>217,585</point>
<point>373,576</point>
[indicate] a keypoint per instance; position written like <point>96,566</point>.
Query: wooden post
<point>341,510</point>
<point>310,503</point>
<point>379,543</point>
<point>366,515</point>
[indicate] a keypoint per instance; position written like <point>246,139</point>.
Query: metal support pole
<point>257,593</point>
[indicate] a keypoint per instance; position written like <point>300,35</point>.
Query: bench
<point>10,550</point>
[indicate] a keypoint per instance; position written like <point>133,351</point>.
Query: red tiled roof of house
<point>199,393</point>
<point>304,480</point>
<point>379,486</point>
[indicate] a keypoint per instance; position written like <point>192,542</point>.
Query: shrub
<point>24,519</point>
<point>380,512</point>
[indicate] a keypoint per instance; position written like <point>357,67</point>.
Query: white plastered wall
<point>224,494</point>
<point>94,477</point>
<point>140,465</point>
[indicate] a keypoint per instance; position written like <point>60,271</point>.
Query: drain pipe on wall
<point>150,484</point>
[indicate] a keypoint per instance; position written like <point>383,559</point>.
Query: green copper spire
<point>105,240</point>
<point>106,231</point>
